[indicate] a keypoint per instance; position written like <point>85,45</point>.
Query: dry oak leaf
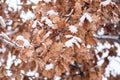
<point>26,54</point>
<point>56,47</point>
<point>48,73</point>
<point>59,69</point>
<point>90,39</point>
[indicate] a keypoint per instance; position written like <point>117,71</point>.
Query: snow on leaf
<point>73,29</point>
<point>68,36</point>
<point>13,4</point>
<point>10,60</point>
<point>101,31</point>
<point>104,78</point>
<point>73,40</point>
<point>113,66</point>
<point>22,71</point>
<point>57,78</point>
<point>48,22</point>
<point>47,1</point>
<point>88,17</point>
<point>105,3</point>
<point>49,66</point>
<point>35,1</point>
<point>3,49</point>
<point>17,62</point>
<point>9,73</point>
<point>85,16</point>
<point>32,73</point>
<point>26,42</point>
<point>51,12</point>
<point>34,25</point>
<point>47,34</point>
<point>27,15</point>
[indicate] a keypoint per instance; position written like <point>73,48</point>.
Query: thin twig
<point>69,15</point>
<point>105,37</point>
<point>7,40</point>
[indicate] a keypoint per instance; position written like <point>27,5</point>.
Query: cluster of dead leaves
<point>48,45</point>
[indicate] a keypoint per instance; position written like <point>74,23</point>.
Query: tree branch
<point>105,37</point>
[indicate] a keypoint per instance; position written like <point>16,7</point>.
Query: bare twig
<point>7,40</point>
<point>69,15</point>
<point>105,37</point>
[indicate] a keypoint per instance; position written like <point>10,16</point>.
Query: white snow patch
<point>26,42</point>
<point>101,59</point>
<point>105,3</point>
<point>100,62</point>
<point>17,62</point>
<point>48,22</point>
<point>27,15</point>
<point>52,12</point>
<point>49,66</point>
<point>101,31</point>
<point>14,4</point>
<point>47,1</point>
<point>88,46</point>
<point>67,73</point>
<point>101,46</point>
<point>73,29</point>
<point>35,1</point>
<point>113,67</point>
<point>10,60</point>
<point>9,73</point>
<point>104,78</point>
<point>107,45</point>
<point>105,53</point>
<point>57,78</point>
<point>3,49</point>
<point>85,16</point>
<point>34,25</point>
<point>32,73</point>
<point>45,78</point>
<point>22,71</point>
<point>13,78</point>
<point>73,40</point>
<point>54,1</point>
<point>118,48</point>
<point>68,36</point>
